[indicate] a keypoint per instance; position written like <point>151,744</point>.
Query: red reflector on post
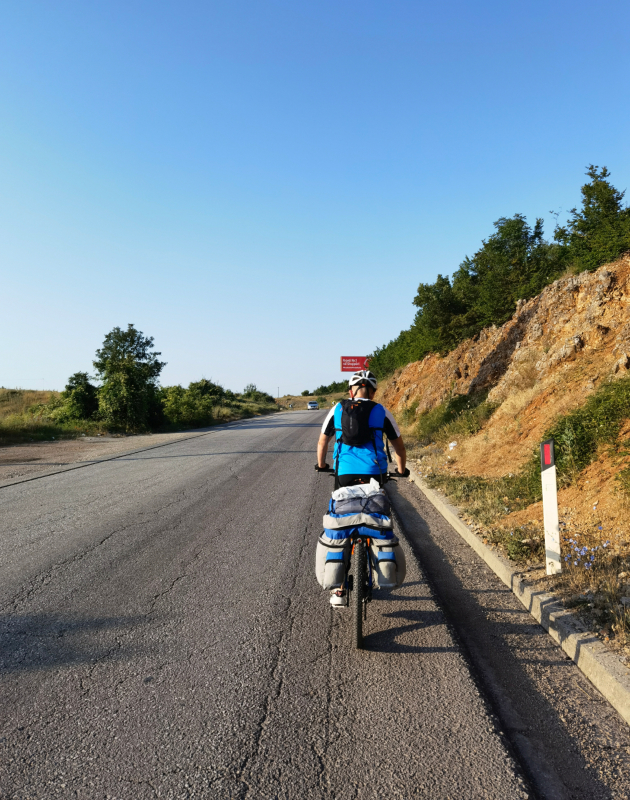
<point>547,453</point>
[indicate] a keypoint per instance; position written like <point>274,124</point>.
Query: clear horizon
<point>261,188</point>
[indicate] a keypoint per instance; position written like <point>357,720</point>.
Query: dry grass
<point>24,416</point>
<point>18,401</point>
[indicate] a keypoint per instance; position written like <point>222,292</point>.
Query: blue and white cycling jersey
<point>364,459</point>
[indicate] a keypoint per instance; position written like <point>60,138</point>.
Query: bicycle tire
<point>359,571</point>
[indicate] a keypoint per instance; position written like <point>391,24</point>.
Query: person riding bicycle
<point>363,458</point>
<point>356,464</point>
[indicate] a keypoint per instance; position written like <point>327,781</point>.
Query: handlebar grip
<point>397,474</point>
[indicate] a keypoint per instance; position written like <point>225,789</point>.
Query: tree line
<point>332,388</point>
<point>129,397</point>
<point>515,263</point>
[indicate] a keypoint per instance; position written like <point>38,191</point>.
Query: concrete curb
<point>600,666</point>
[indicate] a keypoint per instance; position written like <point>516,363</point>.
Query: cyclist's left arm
<point>400,453</point>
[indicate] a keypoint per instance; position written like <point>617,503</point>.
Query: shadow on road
<point>33,642</point>
<point>387,639</point>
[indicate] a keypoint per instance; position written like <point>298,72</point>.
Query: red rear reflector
<point>547,456</point>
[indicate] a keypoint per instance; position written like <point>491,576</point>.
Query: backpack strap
<point>338,443</point>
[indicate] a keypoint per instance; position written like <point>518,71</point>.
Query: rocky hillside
<point>544,362</point>
<point>556,349</point>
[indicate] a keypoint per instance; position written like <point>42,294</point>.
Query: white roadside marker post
<point>550,507</point>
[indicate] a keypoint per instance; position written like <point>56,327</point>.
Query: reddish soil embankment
<point>545,361</point>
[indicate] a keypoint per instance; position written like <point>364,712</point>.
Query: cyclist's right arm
<point>327,433</point>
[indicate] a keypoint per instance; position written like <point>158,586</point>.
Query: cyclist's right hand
<point>404,474</point>
<point>325,468</point>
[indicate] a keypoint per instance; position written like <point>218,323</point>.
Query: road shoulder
<point>558,723</point>
<point>600,665</point>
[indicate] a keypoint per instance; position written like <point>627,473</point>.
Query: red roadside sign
<point>354,363</point>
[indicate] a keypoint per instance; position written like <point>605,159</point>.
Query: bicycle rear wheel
<point>359,570</point>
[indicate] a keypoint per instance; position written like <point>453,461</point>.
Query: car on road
<point>312,405</point>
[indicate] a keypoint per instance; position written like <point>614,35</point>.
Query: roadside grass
<point>29,416</point>
<point>17,401</point>
<point>18,428</point>
<point>594,582</point>
<point>596,574</point>
<point>578,438</point>
<point>459,416</point>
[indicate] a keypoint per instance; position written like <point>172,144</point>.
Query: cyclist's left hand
<point>404,474</point>
<point>321,469</point>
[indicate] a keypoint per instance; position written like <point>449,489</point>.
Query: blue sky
<point>261,186</point>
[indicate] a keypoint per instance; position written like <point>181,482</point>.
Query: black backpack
<point>355,417</point>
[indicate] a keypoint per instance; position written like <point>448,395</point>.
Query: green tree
<point>514,263</point>
<point>80,397</point>
<point>335,386</point>
<point>600,231</point>
<point>253,393</point>
<point>129,370</point>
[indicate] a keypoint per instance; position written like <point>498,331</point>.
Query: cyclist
<point>359,464</point>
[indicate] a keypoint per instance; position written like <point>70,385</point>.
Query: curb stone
<point>596,661</point>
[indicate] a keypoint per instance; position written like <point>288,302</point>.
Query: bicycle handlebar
<point>390,476</point>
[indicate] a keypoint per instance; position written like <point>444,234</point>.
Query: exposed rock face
<point>556,348</point>
<point>572,320</point>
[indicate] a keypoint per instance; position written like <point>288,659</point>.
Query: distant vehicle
<point>312,405</point>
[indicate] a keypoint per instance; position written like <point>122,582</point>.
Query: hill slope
<point>561,364</point>
<point>556,349</point>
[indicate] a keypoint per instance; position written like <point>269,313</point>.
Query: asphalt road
<point>162,635</point>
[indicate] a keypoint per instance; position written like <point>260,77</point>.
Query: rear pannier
<point>331,560</point>
<point>363,509</point>
<point>388,562</point>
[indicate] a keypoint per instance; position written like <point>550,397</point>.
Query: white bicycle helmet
<point>363,378</point>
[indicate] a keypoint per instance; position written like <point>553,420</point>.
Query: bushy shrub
<point>79,398</point>
<point>460,415</point>
<point>194,406</point>
<point>579,434</point>
<point>252,393</point>
<point>129,371</point>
